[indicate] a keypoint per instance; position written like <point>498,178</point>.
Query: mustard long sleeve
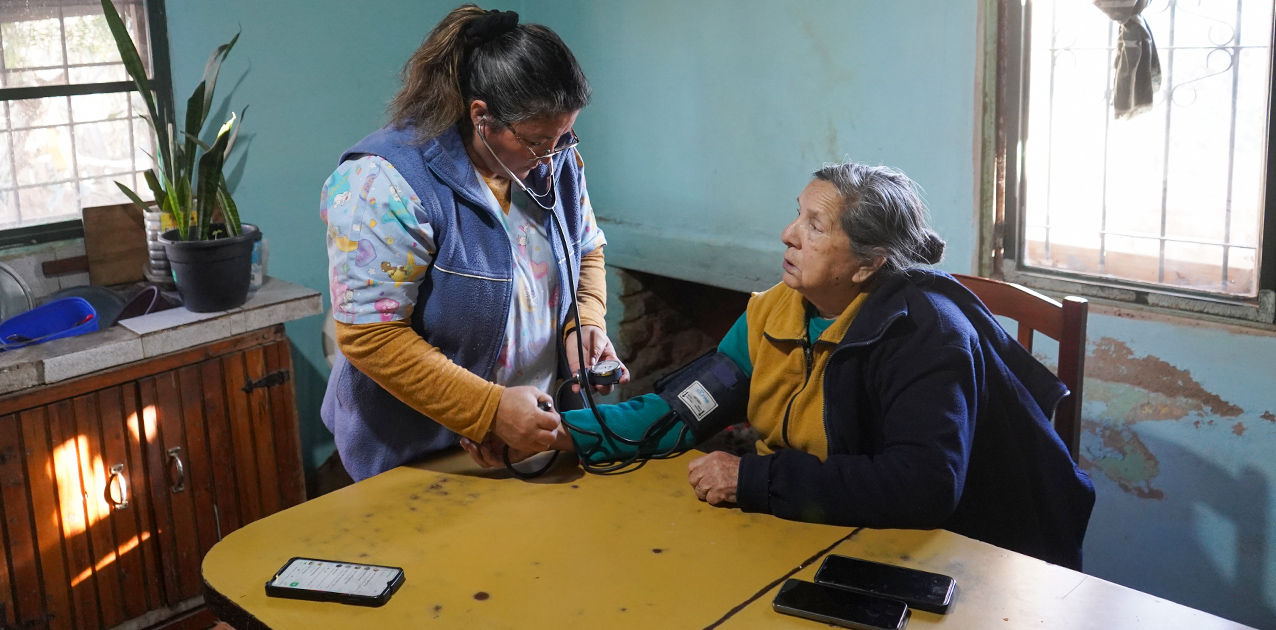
<point>591,293</point>
<point>420,375</point>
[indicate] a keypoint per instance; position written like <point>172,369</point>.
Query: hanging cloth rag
<point>1138,68</point>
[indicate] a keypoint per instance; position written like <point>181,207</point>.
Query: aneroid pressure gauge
<point>605,373</point>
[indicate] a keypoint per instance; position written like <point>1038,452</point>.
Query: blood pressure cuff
<point>709,394</point>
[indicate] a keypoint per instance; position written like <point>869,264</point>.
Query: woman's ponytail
<point>519,71</point>
<point>430,100</point>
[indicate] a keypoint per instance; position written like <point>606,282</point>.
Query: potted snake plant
<point>211,260</point>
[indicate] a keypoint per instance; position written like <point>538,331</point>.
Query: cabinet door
<point>77,536</point>
<point>222,451</point>
<point>111,496</point>
<point>119,486</point>
<point>287,427</point>
<point>39,594</point>
<point>261,409</point>
<point>170,474</point>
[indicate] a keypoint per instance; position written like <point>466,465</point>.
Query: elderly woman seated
<point>885,395</point>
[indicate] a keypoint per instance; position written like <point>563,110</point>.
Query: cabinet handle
<point>117,474</point>
<point>175,455</point>
<point>278,377</point>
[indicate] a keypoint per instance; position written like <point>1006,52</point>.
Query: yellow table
<point>481,550</point>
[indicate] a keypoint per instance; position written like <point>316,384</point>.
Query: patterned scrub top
<point>380,243</point>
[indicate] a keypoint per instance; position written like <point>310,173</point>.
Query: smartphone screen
<point>931,592</point>
<point>840,607</point>
<point>328,580</point>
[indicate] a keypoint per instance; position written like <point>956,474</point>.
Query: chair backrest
<point>1064,322</point>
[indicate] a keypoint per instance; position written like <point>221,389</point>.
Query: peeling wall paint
<point>1178,431</point>
<point>1123,390</point>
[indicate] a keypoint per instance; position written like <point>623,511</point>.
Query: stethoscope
<point>553,177</point>
<point>600,374</point>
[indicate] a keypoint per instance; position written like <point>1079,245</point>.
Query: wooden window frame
<point>1006,68</point>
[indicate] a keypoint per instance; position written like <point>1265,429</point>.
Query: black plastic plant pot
<point>212,275</point>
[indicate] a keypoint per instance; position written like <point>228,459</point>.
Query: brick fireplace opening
<point>664,324</point>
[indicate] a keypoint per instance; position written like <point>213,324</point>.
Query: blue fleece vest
<point>463,303</point>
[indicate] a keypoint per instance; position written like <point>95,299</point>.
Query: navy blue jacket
<point>936,418</point>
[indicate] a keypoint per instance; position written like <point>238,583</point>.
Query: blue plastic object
<point>66,317</point>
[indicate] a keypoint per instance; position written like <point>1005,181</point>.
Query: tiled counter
<point>153,335</point>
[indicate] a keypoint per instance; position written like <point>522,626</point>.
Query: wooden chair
<point>1064,322</point>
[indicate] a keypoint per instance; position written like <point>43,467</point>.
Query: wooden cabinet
<point>113,486</point>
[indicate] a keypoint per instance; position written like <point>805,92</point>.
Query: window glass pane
<point>99,74</point>
<point>34,78</point>
<point>48,203</point>
<point>143,144</point>
<point>8,207</point>
<point>47,155</point>
<point>1131,257</point>
<point>102,148</point>
<point>93,107</point>
<point>1241,270</point>
<point>88,40</point>
<point>6,162</point>
<point>103,191</point>
<point>32,43</point>
<point>39,112</point>
<point>1173,195</point>
<point>1193,265</point>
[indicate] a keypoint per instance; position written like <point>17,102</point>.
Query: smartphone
<point>332,581</point>
<point>930,592</point>
<point>840,607</point>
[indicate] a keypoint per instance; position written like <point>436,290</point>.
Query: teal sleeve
<point>631,420</point>
<point>736,345</point>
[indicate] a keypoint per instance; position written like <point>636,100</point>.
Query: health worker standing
<point>446,262</point>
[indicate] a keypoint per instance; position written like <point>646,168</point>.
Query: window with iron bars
<point>70,119</point>
<point>1166,208</point>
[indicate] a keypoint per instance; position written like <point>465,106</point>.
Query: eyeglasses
<point>567,141</point>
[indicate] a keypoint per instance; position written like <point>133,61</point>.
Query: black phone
<point>840,607</point>
<point>922,590</point>
<point>332,581</point>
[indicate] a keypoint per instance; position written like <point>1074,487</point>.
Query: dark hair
<point>883,215</point>
<point>520,71</point>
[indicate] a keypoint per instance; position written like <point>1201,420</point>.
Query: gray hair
<point>883,215</point>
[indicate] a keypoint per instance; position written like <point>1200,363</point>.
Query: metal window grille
<point>1174,196</point>
<point>70,123</point>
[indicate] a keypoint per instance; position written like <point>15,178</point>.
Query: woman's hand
<point>490,453</point>
<point>714,477</point>
<point>597,348</point>
<point>521,423</point>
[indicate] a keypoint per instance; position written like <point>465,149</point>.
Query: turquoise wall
<point>707,120</point>
<point>316,76</point>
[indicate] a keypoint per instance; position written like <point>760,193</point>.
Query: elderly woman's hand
<point>714,477</point>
